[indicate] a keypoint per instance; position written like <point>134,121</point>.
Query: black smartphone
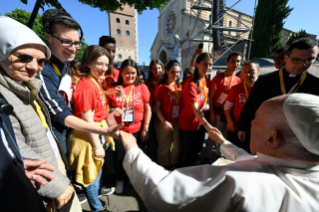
<point>200,46</point>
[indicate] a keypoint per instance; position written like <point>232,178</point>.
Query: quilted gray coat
<point>30,133</point>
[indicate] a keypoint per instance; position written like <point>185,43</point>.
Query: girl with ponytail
<point>168,105</point>
<point>191,121</point>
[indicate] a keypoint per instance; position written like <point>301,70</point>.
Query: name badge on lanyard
<point>222,98</point>
<point>175,111</point>
<point>128,115</point>
<point>65,84</point>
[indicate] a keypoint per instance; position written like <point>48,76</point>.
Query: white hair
<point>291,146</point>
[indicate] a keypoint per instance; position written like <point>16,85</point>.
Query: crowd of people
<point>69,126</point>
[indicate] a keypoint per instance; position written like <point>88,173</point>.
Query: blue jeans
<point>92,192</point>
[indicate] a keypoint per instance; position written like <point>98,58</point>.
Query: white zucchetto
<point>302,114</point>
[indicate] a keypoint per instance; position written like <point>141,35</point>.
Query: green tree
<point>80,53</point>
<point>108,5</point>
<point>296,36</point>
<point>269,22</point>
<point>23,17</point>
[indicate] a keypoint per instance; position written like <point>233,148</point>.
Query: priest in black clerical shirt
<point>292,78</point>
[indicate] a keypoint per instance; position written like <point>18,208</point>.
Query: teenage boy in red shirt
<point>219,88</point>
<point>236,100</point>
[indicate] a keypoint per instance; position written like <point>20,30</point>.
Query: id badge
<point>175,111</point>
<point>102,139</point>
<point>65,87</point>
<point>128,115</point>
<point>222,98</point>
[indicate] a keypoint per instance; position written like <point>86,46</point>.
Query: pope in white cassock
<point>283,175</point>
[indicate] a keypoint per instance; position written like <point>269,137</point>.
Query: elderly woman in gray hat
<point>22,56</point>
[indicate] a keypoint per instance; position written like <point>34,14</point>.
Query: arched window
<point>127,22</point>
<point>118,31</point>
<point>128,33</point>
<point>118,20</point>
<point>120,56</point>
<point>230,25</point>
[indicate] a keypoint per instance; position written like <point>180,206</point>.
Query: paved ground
<point>129,199</point>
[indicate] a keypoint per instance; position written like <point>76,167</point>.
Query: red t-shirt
<point>187,119</point>
<point>116,74</point>
<point>151,88</point>
<point>87,96</point>
<point>237,96</point>
<point>219,85</point>
<point>140,95</point>
<point>167,97</point>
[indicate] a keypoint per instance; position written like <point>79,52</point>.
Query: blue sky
<point>95,23</point>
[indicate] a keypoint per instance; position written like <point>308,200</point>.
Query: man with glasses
<point>291,78</point>
<point>62,34</point>
<point>63,40</point>
<point>279,58</point>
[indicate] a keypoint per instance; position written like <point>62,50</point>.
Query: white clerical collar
<point>285,163</point>
<point>292,75</point>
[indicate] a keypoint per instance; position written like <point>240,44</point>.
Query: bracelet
<point>106,146</point>
<point>205,124</point>
<point>98,147</point>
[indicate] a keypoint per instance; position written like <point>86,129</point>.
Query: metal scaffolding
<point>196,11</point>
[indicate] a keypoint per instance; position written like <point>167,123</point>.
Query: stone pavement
<point>129,199</point>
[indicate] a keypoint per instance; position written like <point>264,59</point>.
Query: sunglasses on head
<point>25,58</point>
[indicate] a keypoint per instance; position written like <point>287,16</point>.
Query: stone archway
<point>163,57</point>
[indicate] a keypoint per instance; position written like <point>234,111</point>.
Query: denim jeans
<point>92,192</point>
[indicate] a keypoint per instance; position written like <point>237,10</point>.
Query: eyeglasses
<point>25,58</point>
<point>68,43</point>
<point>279,58</point>
<point>298,61</point>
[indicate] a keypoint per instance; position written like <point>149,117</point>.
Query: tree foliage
<point>109,5</point>
<point>23,17</point>
<point>49,3</point>
<point>80,53</point>
<point>296,36</point>
<point>269,22</point>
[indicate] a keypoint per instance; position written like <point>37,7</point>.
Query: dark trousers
<point>112,169</point>
<point>191,143</point>
<point>152,143</point>
<point>232,137</point>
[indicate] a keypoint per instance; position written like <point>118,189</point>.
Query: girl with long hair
<point>135,102</point>
<point>188,72</point>
<point>75,72</point>
<point>168,105</point>
<point>155,75</point>
<point>86,150</point>
<point>191,120</point>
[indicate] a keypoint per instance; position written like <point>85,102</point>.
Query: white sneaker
<point>119,187</point>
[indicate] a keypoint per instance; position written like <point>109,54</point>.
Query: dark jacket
<point>16,191</point>
<point>56,105</point>
<point>268,86</point>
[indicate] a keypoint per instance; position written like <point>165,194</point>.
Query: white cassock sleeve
<point>234,153</point>
<point>199,188</point>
